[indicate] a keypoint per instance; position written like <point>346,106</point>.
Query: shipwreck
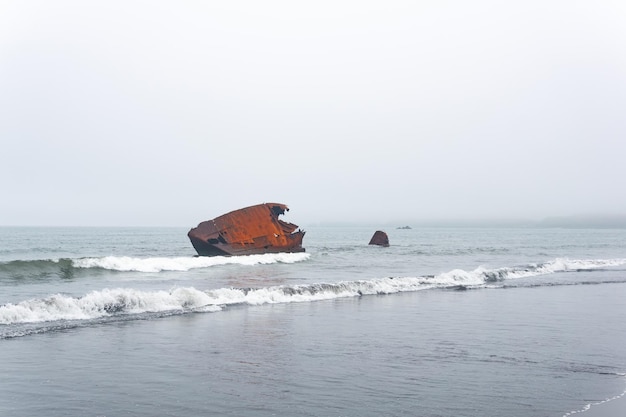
<point>247,231</point>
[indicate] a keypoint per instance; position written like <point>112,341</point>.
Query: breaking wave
<point>184,263</point>
<point>557,265</point>
<point>65,266</point>
<point>127,301</point>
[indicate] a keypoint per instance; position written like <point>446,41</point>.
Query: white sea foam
<point>104,303</point>
<point>588,406</point>
<point>158,264</point>
<point>109,302</point>
<point>557,265</point>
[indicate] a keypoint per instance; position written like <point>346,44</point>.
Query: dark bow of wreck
<point>250,230</point>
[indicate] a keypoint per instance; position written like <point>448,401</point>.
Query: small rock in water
<point>380,238</point>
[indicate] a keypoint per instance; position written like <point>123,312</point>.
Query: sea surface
<point>445,322</point>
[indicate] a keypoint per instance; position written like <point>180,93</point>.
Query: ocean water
<point>444,322</point>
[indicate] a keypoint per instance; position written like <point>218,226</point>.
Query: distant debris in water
<point>380,238</point>
<point>250,230</point>
<point>404,227</point>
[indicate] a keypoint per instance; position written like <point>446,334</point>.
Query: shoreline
<point>614,407</point>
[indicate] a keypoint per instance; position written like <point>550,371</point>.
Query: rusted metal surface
<point>250,230</point>
<point>380,238</point>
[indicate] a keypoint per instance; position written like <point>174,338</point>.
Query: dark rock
<point>380,238</point>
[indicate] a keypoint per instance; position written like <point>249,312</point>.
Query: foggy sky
<point>172,112</point>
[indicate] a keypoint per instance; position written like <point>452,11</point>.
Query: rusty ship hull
<point>247,231</point>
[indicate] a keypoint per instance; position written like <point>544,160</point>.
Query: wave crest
<point>66,267</point>
<point>158,264</point>
<point>128,301</point>
<point>102,303</point>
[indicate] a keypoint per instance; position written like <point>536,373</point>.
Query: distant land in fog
<point>613,221</point>
<point>604,222</point>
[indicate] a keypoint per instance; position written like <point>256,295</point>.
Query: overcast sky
<point>173,112</point>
